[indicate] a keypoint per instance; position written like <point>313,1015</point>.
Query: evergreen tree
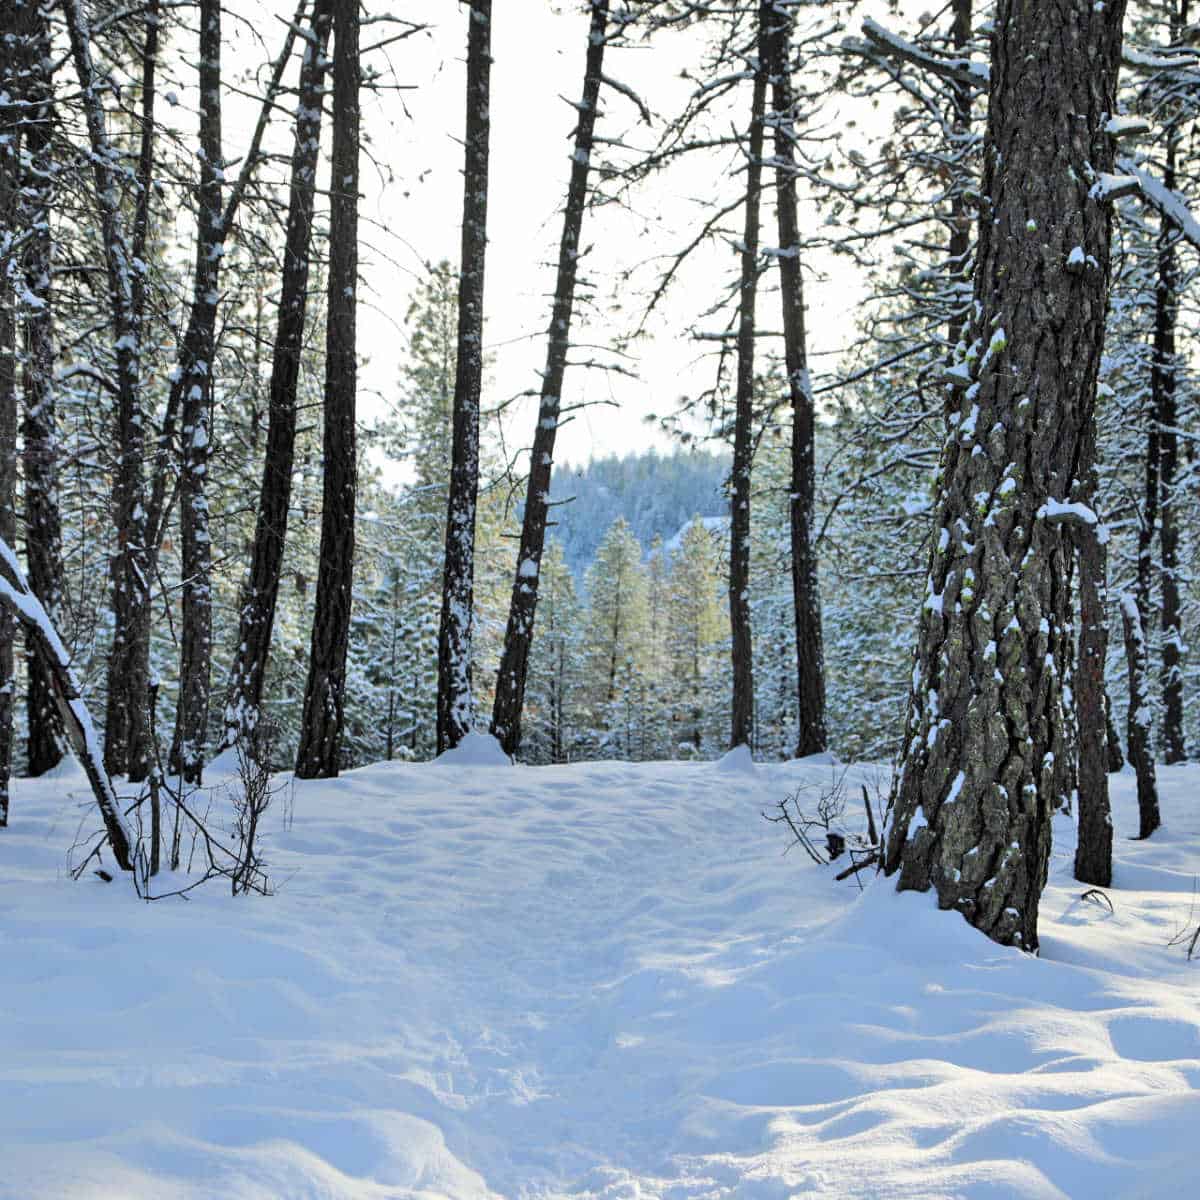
<point>984,761</point>
<point>617,621</point>
<point>695,641</point>
<point>556,678</point>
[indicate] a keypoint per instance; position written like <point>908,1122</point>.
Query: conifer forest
<point>463,465</point>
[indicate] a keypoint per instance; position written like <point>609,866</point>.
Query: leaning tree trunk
<point>261,593</point>
<point>127,734</point>
<point>195,378</point>
<point>1139,724</point>
<point>324,694</point>
<point>39,457</point>
<point>518,635</point>
<point>984,763</point>
<point>454,707</point>
<point>1093,853</point>
<point>742,656</point>
<point>810,651</point>
<point>17,598</point>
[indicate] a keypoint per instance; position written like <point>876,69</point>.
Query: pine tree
<point>455,707</point>
<point>324,695</point>
<point>556,673</point>
<point>695,636</point>
<point>984,760</point>
<point>617,619</point>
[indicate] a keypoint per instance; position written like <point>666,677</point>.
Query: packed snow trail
<point>592,981</point>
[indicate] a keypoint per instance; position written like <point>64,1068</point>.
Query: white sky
<point>538,50</point>
<point>414,217</point>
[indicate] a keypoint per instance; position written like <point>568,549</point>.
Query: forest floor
<point>601,980</point>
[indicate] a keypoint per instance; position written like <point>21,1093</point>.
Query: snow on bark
<point>15,593</point>
<point>261,592</point>
<point>455,713</point>
<point>994,647</point>
<point>324,693</point>
<point>518,635</point>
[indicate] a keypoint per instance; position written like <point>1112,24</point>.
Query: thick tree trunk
<point>324,694</point>
<point>455,708</point>
<point>742,657</point>
<point>984,761</point>
<point>810,650</point>
<point>1139,724</point>
<point>43,530</point>
<point>1093,854</point>
<point>127,740</point>
<point>518,634</point>
<point>270,531</point>
<point>195,379</point>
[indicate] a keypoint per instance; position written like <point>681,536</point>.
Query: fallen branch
<point>869,861</point>
<point>1098,897</point>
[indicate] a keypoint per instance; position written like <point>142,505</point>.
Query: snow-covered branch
<point>1165,201</point>
<point>881,40</point>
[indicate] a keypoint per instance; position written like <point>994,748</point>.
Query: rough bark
<point>984,764</point>
<point>194,374</point>
<point>810,651</point>
<point>324,693</point>
<point>126,743</point>
<point>8,518</point>
<point>10,128</point>
<point>1093,854</point>
<point>962,95</point>
<point>1139,725</point>
<point>257,619</point>
<point>518,635</point>
<point>1116,758</point>
<point>1166,417</point>
<point>742,658</point>
<point>39,457</point>
<point>454,705</point>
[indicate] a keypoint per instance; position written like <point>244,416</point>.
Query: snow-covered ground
<point>600,980</point>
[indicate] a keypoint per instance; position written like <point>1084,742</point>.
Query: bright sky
<point>411,212</point>
<point>539,50</point>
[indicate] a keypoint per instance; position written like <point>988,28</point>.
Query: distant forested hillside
<point>656,494</point>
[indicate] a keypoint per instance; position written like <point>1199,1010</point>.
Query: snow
<point>1168,202</point>
<point>737,761</point>
<point>477,749</point>
<point>597,981</point>
<point>1111,187</point>
<point>1126,126</point>
<point>1067,511</point>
